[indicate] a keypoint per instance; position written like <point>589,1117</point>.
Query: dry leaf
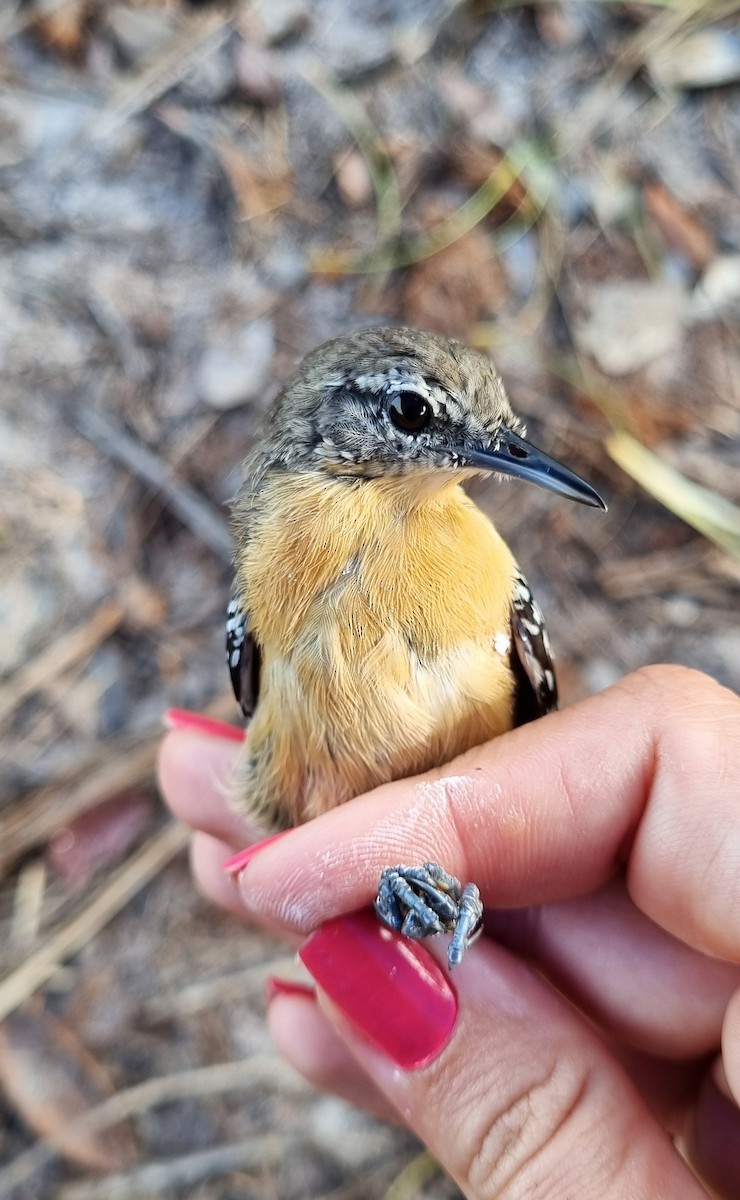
<point>681,229</point>
<point>256,190</point>
<point>99,838</point>
<point>452,290</point>
<point>63,28</point>
<point>51,1079</point>
<point>144,606</point>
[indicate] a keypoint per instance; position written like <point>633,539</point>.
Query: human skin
<point>606,842</point>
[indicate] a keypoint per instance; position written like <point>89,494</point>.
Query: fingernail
<point>389,989</point>
<point>234,866</point>
<point>286,987</point>
<point>181,718</point>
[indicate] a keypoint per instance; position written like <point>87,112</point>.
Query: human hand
<point>612,830</point>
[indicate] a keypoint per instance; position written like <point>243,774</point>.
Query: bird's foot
<point>421,901</point>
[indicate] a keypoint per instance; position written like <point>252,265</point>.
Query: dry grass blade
<point>714,516</point>
<point>216,1080</point>
<point>463,219</point>
<point>28,904</point>
<point>155,1178</point>
<point>57,658</point>
<point>382,173</point>
<point>207,993</point>
<point>201,35</point>
<point>717,518</point>
<point>115,895</point>
<point>448,231</point>
<point>413,1177</point>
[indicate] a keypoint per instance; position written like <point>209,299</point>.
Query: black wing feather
<point>244,658</point>
<point>531,656</point>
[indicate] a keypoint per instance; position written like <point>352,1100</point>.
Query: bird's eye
<point>410,412</point>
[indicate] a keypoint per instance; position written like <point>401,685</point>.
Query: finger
<point>196,774</point>
<point>509,1089</point>
<point>207,858</point>
<point>640,984</point>
<point>306,1039</point>
<point>731,1047</point>
<point>549,812</point>
<point>669,1087</point>
<point>713,1136</point>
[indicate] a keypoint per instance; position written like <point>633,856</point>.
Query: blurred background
<point>191,197</point>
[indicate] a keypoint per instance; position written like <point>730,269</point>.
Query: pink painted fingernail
<point>390,989</point>
<point>181,718</point>
<point>286,987</point>
<point>234,866</point>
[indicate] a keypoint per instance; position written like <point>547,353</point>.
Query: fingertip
<point>196,777</point>
<point>207,857</point>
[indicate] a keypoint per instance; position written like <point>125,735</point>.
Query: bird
<point>379,624</point>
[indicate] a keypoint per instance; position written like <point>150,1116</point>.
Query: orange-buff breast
<point>381,608</point>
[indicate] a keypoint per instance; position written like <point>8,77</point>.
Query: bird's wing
<point>531,656</point>
<point>244,658</point>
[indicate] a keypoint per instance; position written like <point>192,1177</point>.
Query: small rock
<point>281,19</point>
<point>236,371</point>
<point>140,34</point>
<point>707,58</point>
<point>352,50</point>
<point>257,77</point>
<point>631,323</point>
<point>600,674</point>
<point>353,178</point>
<point>284,265</point>
<point>682,611</point>
<point>718,290</point>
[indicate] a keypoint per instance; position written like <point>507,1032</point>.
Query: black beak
<point>512,455</point>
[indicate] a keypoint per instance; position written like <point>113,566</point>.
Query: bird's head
<point>395,402</point>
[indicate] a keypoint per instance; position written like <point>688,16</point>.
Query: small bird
<point>379,624</point>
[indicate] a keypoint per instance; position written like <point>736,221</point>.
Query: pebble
<point>236,371</point>
<point>631,322</point>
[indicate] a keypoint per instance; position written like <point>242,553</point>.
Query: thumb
<point>506,1085</point>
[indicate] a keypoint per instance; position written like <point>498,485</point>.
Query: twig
<point>263,1070</point>
<point>57,658</point>
<point>115,895</point>
<point>28,904</point>
<point>192,509</point>
<point>200,36</point>
<point>158,1177</point>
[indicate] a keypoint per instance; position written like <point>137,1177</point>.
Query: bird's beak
<point>512,455</point>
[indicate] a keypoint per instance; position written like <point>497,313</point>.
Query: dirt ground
<point>191,197</point>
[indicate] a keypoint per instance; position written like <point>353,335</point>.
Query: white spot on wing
<point>502,644</point>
